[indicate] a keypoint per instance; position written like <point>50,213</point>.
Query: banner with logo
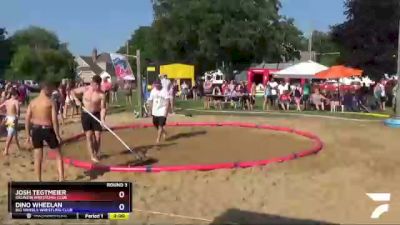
<point>122,68</point>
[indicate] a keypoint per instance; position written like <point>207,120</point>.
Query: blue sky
<point>106,24</point>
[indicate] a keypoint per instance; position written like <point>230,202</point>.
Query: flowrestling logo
<point>384,198</point>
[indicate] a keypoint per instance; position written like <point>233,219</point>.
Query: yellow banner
<point>151,69</point>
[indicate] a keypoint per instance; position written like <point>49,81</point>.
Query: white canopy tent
<point>129,77</point>
<point>303,70</point>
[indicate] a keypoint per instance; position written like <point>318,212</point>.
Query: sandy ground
<point>358,158</point>
<point>194,145</point>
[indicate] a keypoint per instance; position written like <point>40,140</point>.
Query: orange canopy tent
<point>337,72</point>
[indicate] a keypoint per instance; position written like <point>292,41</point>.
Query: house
<point>88,66</point>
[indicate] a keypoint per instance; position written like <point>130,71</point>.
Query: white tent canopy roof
<point>303,70</point>
<point>129,77</point>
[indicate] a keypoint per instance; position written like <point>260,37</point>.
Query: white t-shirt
<point>282,88</point>
<point>160,99</point>
<point>273,86</point>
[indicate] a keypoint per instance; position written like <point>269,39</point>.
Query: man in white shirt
<point>159,104</point>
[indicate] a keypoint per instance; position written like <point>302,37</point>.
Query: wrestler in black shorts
<point>89,123</point>
<point>44,133</point>
<point>159,121</point>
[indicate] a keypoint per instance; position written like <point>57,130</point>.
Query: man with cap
<point>159,105</point>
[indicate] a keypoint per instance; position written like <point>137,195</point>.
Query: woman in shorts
<point>267,94</point>
<point>297,97</point>
<point>284,100</point>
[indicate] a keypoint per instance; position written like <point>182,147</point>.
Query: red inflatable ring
<point>318,145</point>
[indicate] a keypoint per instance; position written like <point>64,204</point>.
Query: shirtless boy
<point>41,124</point>
<point>94,101</point>
<point>11,119</point>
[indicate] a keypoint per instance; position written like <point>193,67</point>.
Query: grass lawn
<point>188,107</point>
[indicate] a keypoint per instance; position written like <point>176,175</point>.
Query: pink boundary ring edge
<point>317,147</point>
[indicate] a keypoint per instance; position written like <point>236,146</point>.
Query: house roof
<point>93,66</point>
<point>105,57</point>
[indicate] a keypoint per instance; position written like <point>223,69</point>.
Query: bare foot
<point>5,153</point>
<point>94,159</point>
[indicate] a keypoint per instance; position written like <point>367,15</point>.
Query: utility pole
<point>138,78</point>
<point>139,84</point>
<point>397,114</point>
<point>310,44</point>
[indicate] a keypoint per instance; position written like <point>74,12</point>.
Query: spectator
<point>128,92</point>
<point>297,97</point>
<point>195,91</point>
<point>184,90</point>
<point>114,92</point>
<point>23,93</point>
<point>231,85</point>
<point>68,106</point>
<point>207,86</point>
<point>252,97</point>
<point>63,95</point>
<point>274,91</point>
<point>318,100</point>
<point>267,96</point>
<point>56,98</point>
<point>106,87</point>
<point>383,96</point>
<point>348,101</point>
<point>306,94</point>
<point>225,88</point>
<point>334,101</point>
<point>284,100</point>
<point>283,87</point>
<point>245,100</point>
<point>216,99</point>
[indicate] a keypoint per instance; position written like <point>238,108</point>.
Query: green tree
<point>5,51</point>
<point>143,39</point>
<point>36,37</point>
<point>369,36</point>
<point>39,55</point>
<point>3,33</point>
<point>230,32</point>
<point>328,51</point>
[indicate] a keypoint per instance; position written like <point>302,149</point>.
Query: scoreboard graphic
<point>70,200</point>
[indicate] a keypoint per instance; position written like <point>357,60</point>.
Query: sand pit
<point>189,147</point>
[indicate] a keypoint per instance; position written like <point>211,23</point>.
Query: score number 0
<point>121,194</point>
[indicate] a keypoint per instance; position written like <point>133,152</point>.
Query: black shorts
<point>159,121</point>
<point>44,133</point>
<point>89,123</point>
<point>306,98</point>
<point>273,97</point>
